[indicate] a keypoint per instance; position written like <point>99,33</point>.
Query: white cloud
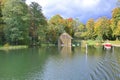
<point>90,3</point>
<point>84,9</point>
<point>41,2</point>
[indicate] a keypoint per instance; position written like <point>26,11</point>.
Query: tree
<point>16,19</point>
<point>1,24</point>
<point>113,27</point>
<point>57,20</point>
<point>117,30</point>
<point>115,21</point>
<point>1,21</point>
<point>90,28</point>
<point>102,28</point>
<point>79,31</point>
<point>52,34</point>
<point>55,28</point>
<point>38,22</point>
<point>116,15</point>
<point>70,26</point>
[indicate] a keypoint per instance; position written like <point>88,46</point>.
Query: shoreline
<point>98,43</point>
<point>13,47</point>
<point>83,43</point>
<point>116,45</point>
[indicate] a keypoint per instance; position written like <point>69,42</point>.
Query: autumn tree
<point>55,28</point>
<point>116,15</point>
<point>90,28</point>
<point>70,25</point>
<point>102,28</point>
<point>115,21</point>
<point>56,20</point>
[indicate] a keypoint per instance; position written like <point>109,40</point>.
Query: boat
<point>107,45</point>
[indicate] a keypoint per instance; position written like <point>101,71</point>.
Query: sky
<point>81,9</point>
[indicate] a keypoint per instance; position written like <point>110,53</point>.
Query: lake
<point>51,63</point>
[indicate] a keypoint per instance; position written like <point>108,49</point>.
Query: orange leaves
<point>70,19</point>
<point>56,20</point>
<point>90,24</point>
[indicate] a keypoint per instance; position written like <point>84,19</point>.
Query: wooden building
<point>65,40</point>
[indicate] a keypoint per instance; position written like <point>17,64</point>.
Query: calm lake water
<point>51,63</point>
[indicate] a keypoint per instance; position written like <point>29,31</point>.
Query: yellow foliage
<point>115,12</point>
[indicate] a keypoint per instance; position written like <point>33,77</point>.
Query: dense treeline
<point>26,24</point>
<point>20,23</point>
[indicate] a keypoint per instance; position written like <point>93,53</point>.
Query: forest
<point>22,24</point>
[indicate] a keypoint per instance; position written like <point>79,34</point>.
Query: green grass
<point>115,42</point>
<point>91,42</point>
<point>13,47</point>
<point>97,42</point>
<point>44,45</point>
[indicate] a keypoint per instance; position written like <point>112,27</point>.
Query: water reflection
<point>21,64</point>
<point>49,63</point>
<point>65,51</point>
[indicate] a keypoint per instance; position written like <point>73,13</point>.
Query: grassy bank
<point>98,43</point>
<point>115,42</point>
<point>10,47</point>
<point>91,43</point>
<point>13,47</point>
<point>45,45</point>
<point>83,44</point>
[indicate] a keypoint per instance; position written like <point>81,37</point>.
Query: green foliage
<point>1,21</point>
<point>115,22</point>
<point>102,28</point>
<point>36,14</point>
<point>117,30</point>
<point>116,15</point>
<point>57,20</point>
<point>55,28</point>
<point>15,17</point>
<point>90,28</point>
<point>38,23</point>
<point>2,24</point>
<point>70,25</point>
<point>52,34</point>
<point>79,31</point>
<point>58,25</point>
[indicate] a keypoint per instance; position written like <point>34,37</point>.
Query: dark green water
<point>60,64</point>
